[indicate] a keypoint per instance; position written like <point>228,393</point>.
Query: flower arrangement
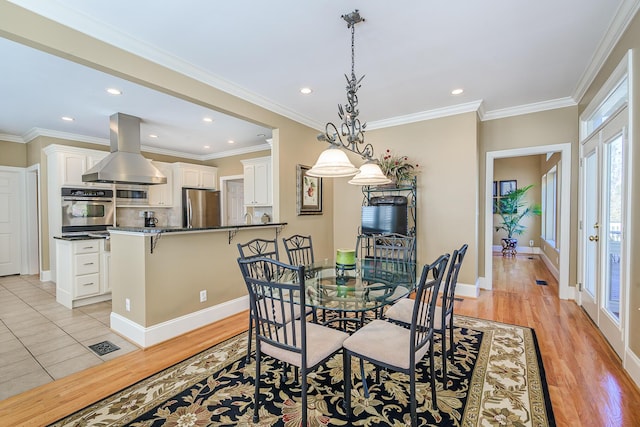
<point>397,168</point>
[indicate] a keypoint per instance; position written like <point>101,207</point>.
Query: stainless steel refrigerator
<point>200,208</point>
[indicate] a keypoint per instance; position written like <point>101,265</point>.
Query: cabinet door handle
<point>87,284</point>
<point>88,247</point>
<point>88,263</point>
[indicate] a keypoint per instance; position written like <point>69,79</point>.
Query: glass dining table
<point>348,292</point>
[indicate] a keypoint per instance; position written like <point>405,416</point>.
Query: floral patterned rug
<point>497,380</point>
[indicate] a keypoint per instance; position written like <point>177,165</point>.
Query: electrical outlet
<point>531,243</point>
<point>203,296</point>
<point>127,304</point>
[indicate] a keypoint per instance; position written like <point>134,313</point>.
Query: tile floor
<point>41,340</point>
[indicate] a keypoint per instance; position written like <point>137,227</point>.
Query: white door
<point>10,249</point>
<point>603,225</point>
<point>235,202</point>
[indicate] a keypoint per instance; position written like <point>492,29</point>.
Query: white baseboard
<point>482,283</point>
<point>146,337</point>
<point>45,276</point>
<point>552,268</point>
<point>467,290</point>
<point>632,366</point>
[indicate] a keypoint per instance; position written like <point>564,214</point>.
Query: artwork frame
<point>508,186</point>
<point>495,188</point>
<point>309,192</point>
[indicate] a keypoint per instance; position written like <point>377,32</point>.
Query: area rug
<point>497,380</point>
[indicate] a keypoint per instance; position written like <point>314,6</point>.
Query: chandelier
<point>333,162</point>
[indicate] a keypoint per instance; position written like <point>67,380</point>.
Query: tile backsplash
<point>130,217</point>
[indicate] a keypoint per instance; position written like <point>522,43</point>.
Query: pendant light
<point>333,162</point>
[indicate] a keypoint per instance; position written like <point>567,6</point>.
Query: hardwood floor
<point>587,384</point>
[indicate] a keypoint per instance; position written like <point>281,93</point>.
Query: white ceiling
<point>509,56</point>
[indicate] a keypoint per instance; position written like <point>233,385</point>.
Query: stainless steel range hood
<point>125,164</point>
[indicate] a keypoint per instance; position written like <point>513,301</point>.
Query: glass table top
<point>363,286</point>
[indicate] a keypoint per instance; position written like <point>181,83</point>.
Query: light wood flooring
<point>586,382</point>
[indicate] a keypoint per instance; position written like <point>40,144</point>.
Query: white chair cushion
<point>402,311</point>
<point>321,343</point>
<point>384,342</point>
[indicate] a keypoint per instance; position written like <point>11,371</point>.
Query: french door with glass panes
<point>603,203</point>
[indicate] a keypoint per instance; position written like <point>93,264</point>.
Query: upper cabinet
<point>72,163</point>
<point>258,186</point>
<point>161,195</point>
<point>195,176</point>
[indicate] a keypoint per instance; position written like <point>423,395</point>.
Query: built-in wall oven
<point>86,210</point>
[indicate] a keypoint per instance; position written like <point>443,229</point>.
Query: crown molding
<point>12,138</point>
<point>33,133</point>
<point>535,107</point>
<point>36,132</point>
<point>619,24</point>
<point>425,115</point>
<point>239,151</point>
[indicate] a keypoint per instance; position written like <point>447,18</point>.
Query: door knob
<point>594,238</point>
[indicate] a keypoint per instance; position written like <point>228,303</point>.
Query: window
<point>549,205</point>
<point>616,100</point>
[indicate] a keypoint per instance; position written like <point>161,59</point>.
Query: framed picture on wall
<point>507,187</point>
<point>495,188</point>
<point>309,192</point>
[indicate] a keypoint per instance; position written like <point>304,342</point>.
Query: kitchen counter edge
<point>159,230</point>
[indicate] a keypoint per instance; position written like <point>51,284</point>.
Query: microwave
<point>132,195</point>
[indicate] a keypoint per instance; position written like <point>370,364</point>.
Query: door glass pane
<point>591,218</point>
<point>613,224</point>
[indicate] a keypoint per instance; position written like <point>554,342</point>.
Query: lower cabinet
<point>81,278</point>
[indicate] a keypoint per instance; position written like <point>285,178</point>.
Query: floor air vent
<point>104,347</point>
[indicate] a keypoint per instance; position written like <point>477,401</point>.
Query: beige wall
<point>526,171</point>
<point>550,127</point>
<point>447,202</point>
<point>13,154</point>
<point>629,40</point>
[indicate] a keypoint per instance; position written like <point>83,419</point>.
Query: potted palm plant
<point>512,209</point>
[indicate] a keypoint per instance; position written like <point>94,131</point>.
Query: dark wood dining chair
<point>299,343</point>
<point>299,249</point>
<point>401,311</point>
<point>395,347</point>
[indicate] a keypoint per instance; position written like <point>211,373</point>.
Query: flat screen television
<point>384,219</point>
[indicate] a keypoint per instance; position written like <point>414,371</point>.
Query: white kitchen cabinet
<point>81,272</point>
<point>161,195</point>
<point>195,176</point>
<point>258,187</point>
<point>72,165</point>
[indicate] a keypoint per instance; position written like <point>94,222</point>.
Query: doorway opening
<point>565,292</point>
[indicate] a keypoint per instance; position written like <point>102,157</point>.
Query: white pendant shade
<point>370,174</point>
<point>333,163</point>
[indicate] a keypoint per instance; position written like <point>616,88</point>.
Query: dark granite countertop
<point>156,230</point>
<point>80,237</point>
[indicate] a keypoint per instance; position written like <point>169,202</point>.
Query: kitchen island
<point>167,281</point>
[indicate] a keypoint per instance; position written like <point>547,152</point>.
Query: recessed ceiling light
<point>457,91</point>
<point>114,91</point>
<point>67,119</point>
<point>231,141</point>
<point>306,90</point>
<point>153,136</point>
<point>207,119</point>
<point>206,146</point>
